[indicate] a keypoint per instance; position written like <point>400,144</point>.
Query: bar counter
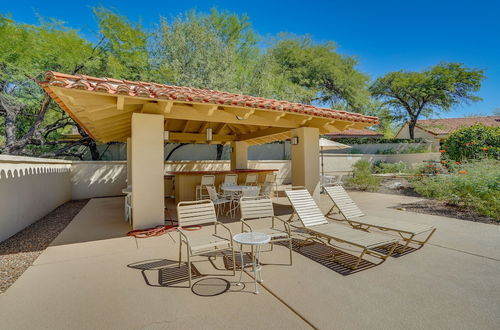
<point>185,182</point>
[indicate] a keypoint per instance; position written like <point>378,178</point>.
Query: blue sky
<point>384,35</point>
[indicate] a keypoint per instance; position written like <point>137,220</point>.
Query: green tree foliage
<point>30,119</point>
<point>414,94</point>
<point>474,142</point>
<point>320,73</point>
<point>218,50</point>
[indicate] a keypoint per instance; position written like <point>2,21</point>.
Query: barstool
<point>251,179</point>
<point>206,180</point>
<point>271,180</point>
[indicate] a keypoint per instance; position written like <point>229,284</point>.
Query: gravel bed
<point>19,252</point>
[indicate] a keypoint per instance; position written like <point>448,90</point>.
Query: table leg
<point>241,265</point>
<point>254,263</point>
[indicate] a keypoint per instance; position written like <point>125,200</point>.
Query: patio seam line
<point>462,251</point>
<point>303,318</point>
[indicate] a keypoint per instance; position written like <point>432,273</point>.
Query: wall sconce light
<point>166,135</point>
<point>294,140</point>
<point>209,134</point>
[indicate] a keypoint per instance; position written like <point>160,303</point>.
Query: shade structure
<point>104,107</point>
<point>325,144</point>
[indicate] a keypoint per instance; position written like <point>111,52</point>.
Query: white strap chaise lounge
<point>199,213</point>
<point>260,207</point>
<point>357,219</point>
<point>321,230</point>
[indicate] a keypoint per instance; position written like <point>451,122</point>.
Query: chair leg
<point>234,261</point>
<point>359,260</point>
<point>180,251</point>
<point>290,248</point>
<point>189,265</point>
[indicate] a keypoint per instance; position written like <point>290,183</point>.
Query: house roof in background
<point>352,132</point>
<point>448,125</point>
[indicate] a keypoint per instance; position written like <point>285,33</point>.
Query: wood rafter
<point>262,133</point>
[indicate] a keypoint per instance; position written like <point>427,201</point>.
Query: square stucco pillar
<point>305,160</point>
<point>239,155</point>
<point>129,161</point>
<point>147,171</point>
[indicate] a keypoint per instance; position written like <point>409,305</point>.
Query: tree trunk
<point>411,128</point>
<point>93,150</point>
<point>220,148</point>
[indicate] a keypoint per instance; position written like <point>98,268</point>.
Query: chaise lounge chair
<point>198,213</point>
<point>357,219</point>
<point>314,223</point>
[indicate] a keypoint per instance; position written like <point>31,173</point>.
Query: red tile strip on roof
<point>188,94</point>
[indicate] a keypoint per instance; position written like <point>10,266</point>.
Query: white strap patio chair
<point>218,200</point>
<point>229,180</point>
<point>315,224</point>
<point>357,219</point>
<point>202,213</point>
<point>259,207</point>
<point>206,180</point>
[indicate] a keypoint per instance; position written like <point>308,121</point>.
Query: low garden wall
<point>395,148</point>
<point>30,188</point>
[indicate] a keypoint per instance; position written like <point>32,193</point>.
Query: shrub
<point>475,186</point>
<point>363,179</point>
<point>383,168</point>
<point>474,142</point>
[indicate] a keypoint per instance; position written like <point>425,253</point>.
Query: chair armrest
<point>227,228</point>
<point>285,223</point>
<point>183,236</point>
<point>244,223</point>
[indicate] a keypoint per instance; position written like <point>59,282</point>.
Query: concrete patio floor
<point>92,276</point>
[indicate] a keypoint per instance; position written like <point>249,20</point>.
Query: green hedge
<point>474,142</point>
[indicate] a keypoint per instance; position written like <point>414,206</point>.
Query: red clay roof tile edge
<point>183,93</point>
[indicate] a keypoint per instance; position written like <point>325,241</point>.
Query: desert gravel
<point>19,252</point>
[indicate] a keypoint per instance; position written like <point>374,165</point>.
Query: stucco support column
<point>147,170</point>
<point>129,161</point>
<point>239,155</point>
<point>305,160</point>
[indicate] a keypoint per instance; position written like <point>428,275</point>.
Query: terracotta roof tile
<point>180,93</point>
<point>448,125</point>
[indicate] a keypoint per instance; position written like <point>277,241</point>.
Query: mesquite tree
<point>415,94</point>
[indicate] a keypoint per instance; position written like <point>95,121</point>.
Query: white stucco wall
<point>97,179</point>
<point>30,188</point>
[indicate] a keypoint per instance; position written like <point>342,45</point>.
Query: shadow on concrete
<point>165,272</point>
<point>322,254</point>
